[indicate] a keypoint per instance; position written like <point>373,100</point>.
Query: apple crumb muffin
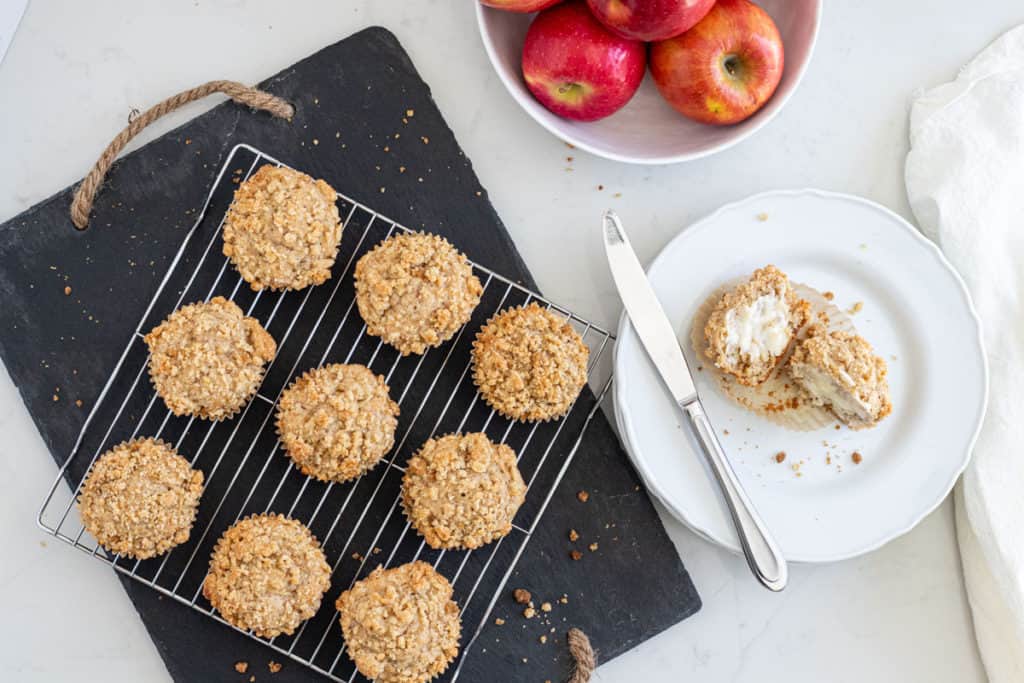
<point>282,230</point>
<point>208,359</point>
<point>337,422</point>
<point>529,364</point>
<point>140,498</point>
<point>754,325</point>
<point>267,573</point>
<point>401,625</point>
<point>415,290</point>
<point>462,491</point>
<point>841,372</point>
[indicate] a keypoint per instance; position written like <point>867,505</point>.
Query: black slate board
<point>351,98</point>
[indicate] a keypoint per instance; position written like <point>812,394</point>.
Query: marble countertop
<point>75,70</point>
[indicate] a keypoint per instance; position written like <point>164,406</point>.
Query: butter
<point>758,331</point>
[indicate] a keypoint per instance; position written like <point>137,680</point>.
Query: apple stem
<point>732,65</point>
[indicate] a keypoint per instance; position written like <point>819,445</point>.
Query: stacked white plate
<point>916,313</point>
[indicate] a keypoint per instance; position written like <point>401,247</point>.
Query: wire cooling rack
<point>360,523</point>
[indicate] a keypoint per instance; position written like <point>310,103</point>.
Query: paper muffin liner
<point>779,399</point>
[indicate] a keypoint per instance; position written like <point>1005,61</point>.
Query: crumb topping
<point>337,422</point>
<point>267,573</point>
<point>140,498</point>
<point>415,291</point>
<point>529,364</point>
<point>401,625</point>
<point>207,359</point>
<point>462,491</point>
<point>282,230</point>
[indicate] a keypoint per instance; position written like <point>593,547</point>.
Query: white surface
<point>76,69</point>
<point>828,510</point>
<point>964,175</point>
<point>647,130</point>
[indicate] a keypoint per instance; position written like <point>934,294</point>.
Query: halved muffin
<point>840,371</point>
<point>754,324</point>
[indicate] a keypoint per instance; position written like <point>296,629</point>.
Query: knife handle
<point>763,555</point>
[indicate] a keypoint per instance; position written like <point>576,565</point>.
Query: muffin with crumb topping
<point>754,325</point>
<point>267,573</point>
<point>462,491</point>
<point>282,230</point>
<point>529,364</point>
<point>401,625</point>
<point>841,372</point>
<point>208,359</point>
<point>337,422</point>
<point>415,290</point>
<point>140,498</point>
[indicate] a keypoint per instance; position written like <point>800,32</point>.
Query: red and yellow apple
<point>576,67</point>
<point>723,69</point>
<point>649,19</point>
<point>523,6</point>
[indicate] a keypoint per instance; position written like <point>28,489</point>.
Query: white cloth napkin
<point>965,182</point>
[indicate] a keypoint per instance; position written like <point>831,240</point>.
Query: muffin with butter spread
<point>754,325</point>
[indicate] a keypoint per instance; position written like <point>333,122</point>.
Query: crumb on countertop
<point>573,536</point>
<point>583,496</point>
<point>273,666</point>
<point>576,555</point>
<point>780,456</point>
<point>857,457</point>
<point>241,667</point>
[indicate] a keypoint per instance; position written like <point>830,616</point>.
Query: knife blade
<point>659,340</point>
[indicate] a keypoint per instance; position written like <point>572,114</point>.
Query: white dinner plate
<point>916,313</point>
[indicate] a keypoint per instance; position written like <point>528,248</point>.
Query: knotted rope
<point>583,655</point>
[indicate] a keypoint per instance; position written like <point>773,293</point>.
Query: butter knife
<point>659,339</point>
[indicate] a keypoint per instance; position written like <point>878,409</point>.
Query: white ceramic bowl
<point>647,130</point>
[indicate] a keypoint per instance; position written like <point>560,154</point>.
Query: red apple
<point>723,69</point>
<point>576,67</point>
<point>523,6</point>
<point>649,19</point>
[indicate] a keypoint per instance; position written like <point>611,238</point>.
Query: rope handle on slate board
<point>81,205</point>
